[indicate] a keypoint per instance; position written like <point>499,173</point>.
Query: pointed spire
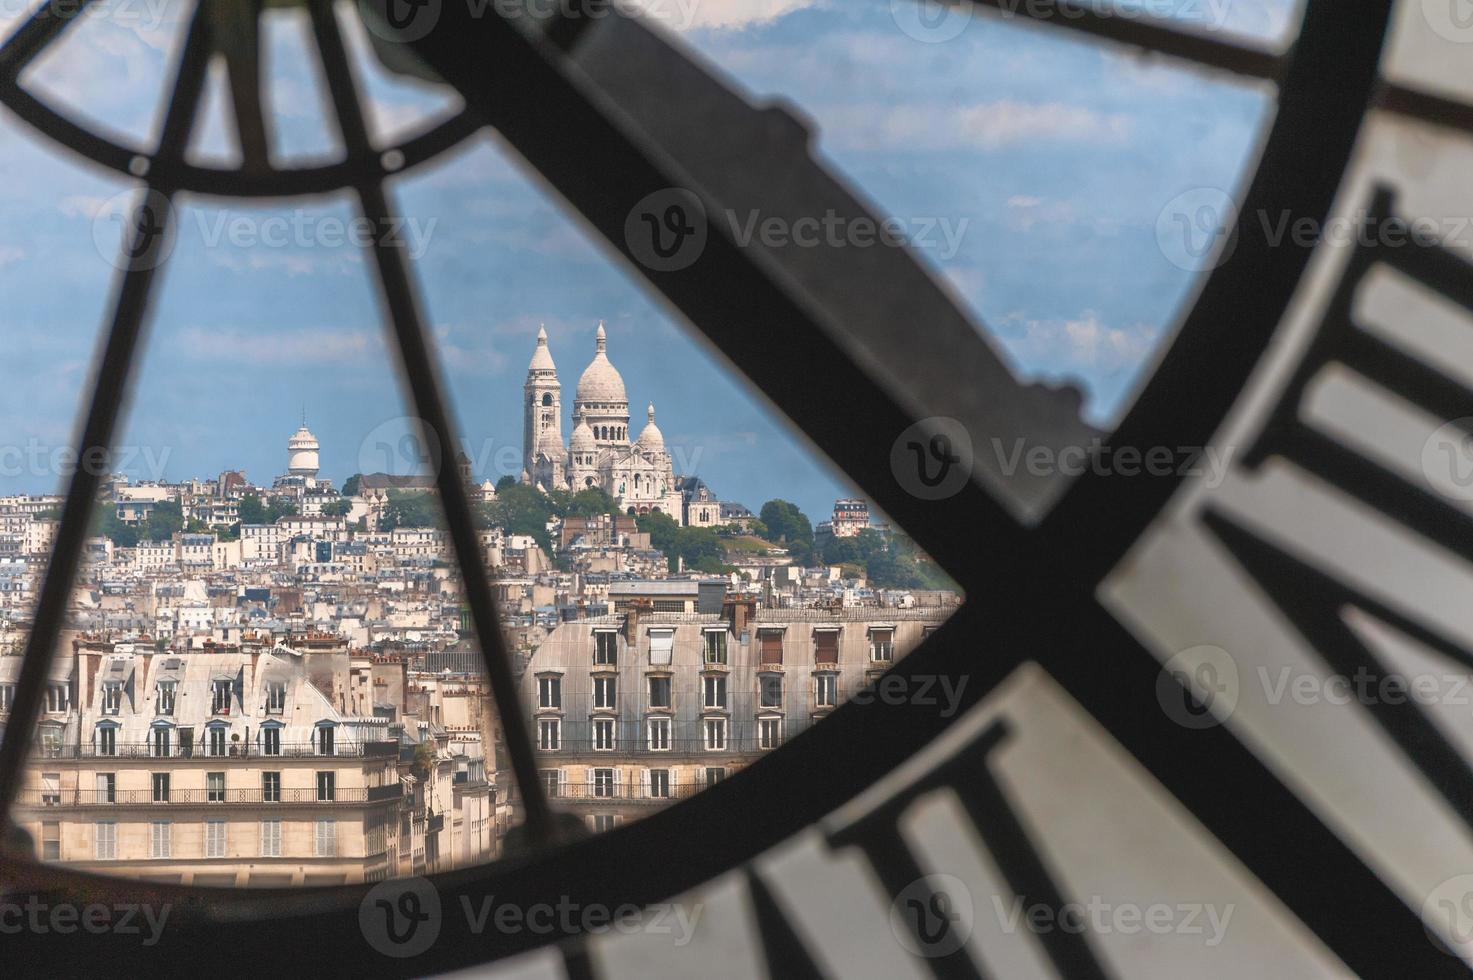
<point>602,343</point>
<point>650,413</point>
<point>541,356</point>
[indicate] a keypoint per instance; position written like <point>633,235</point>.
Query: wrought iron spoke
<point>239,43</point>
<point>1152,34</point>
<point>421,374</point>
<point>138,268</point>
<point>43,27</point>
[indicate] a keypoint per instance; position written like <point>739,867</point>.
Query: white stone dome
<point>601,382</point>
<point>582,440</point>
<point>302,439</point>
<point>652,440</point>
<point>301,453</point>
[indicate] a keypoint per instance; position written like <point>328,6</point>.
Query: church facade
<point>638,474</point>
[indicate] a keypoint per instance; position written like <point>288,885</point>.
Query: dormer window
<point>605,692</point>
<point>882,644</point>
<point>57,699</point>
<point>275,697</point>
<point>606,648</point>
<point>112,697</point>
<point>220,693</point>
<point>215,740</point>
<point>324,739</point>
<point>771,644</point>
<point>715,650</point>
<point>160,740</point>
<point>662,644</point>
<point>550,692</point>
<point>164,704</point>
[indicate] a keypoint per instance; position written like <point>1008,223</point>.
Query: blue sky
<point>1052,158</point>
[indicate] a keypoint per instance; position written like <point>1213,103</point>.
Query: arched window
<point>547,398</point>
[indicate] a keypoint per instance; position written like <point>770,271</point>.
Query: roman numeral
<point>925,912</point>
<point>1314,599</point>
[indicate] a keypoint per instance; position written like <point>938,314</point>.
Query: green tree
<point>278,508</point>
<point>841,551</point>
<point>105,523</point>
<point>251,510</point>
<point>521,509</point>
<point>164,521</point>
<point>590,503</point>
<point>788,526</point>
<point>351,485</point>
<point>336,508</point>
<point>412,508</point>
<point>700,547</point>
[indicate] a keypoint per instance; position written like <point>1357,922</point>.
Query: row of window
<point>161,786</point>
<point>222,695</point>
<point>604,783</point>
<point>713,692</point>
<point>161,740</point>
<point>713,734</point>
<point>769,643</point>
<point>161,839</point>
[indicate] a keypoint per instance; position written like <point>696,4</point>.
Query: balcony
<point>288,750</point>
<point>623,793</point>
<point>39,799</point>
<point>744,743</point>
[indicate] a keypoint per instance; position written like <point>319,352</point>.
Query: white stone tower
<point>543,454</point>
<point>302,453</point>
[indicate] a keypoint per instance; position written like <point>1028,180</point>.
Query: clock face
<point>1205,710</point>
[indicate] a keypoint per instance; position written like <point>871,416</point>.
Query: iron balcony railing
<point>206,797</point>
<point>733,744</point>
<point>148,750</point>
<point>621,793</point>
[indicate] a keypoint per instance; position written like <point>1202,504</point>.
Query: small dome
<point>652,440</point>
<point>542,357</point>
<point>601,381</point>
<point>582,440</point>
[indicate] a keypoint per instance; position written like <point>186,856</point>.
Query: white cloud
<point>684,15</point>
<point>280,348</point>
<point>1020,201</point>
<point>987,126</point>
<point>10,254</point>
<point>1082,343</point>
<point>81,205</point>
